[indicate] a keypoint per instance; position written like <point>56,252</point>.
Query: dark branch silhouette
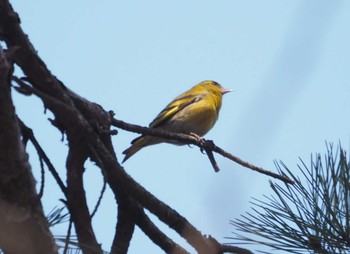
<point>27,133</point>
<point>24,228</point>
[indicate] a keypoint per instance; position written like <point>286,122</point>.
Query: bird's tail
<point>138,144</point>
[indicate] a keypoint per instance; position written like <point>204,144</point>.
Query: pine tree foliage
<point>311,216</point>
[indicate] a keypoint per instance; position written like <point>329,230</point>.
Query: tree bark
<point>23,226</point>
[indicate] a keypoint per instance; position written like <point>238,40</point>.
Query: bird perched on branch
<point>194,112</point>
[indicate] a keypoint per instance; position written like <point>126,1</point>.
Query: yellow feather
<point>194,111</point>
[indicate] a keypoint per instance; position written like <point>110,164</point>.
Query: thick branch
<point>23,226</point>
<point>26,55</point>
<point>77,201</point>
<point>134,212</point>
<point>234,249</point>
<point>124,230</point>
<point>156,235</point>
<point>121,182</point>
<point>75,167</point>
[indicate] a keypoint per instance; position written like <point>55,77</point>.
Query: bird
<point>193,112</point>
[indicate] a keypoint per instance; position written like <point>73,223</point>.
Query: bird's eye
<point>217,84</point>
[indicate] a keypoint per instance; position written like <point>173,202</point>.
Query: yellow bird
<point>193,112</point>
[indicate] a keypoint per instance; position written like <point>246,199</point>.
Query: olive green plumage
<point>194,111</point>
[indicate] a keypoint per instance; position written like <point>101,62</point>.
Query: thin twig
<point>245,163</point>
<point>99,198</point>
<point>28,133</point>
<point>42,186</point>
<point>66,243</point>
<point>207,145</point>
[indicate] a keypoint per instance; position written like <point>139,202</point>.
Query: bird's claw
<point>199,139</point>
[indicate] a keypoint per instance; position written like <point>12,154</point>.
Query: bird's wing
<point>178,104</point>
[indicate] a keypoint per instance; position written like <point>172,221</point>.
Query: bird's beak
<point>224,90</point>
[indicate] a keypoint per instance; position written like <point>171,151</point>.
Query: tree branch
<point>207,145</point>
<point>26,56</point>
<point>123,230</point>
<point>121,182</point>
<point>27,133</point>
<point>23,226</point>
<point>212,159</point>
<point>138,215</point>
<point>77,201</point>
<point>98,203</point>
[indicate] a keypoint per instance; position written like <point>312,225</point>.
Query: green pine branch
<point>311,216</point>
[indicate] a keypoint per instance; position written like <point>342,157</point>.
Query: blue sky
<point>287,62</point>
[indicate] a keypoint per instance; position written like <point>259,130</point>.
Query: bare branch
<point>137,214</point>
<point>69,231</point>
<point>234,249</point>
<point>207,145</point>
<point>77,201</point>
<point>24,228</point>
<point>26,56</point>
<point>123,231</point>
<point>157,236</point>
<point>121,182</point>
<point>27,133</point>
<point>98,203</point>
<point>212,159</point>
<point>223,248</point>
<point>42,184</point>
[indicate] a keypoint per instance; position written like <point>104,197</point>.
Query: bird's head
<point>214,87</point>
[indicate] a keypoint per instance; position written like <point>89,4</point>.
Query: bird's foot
<point>199,139</point>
